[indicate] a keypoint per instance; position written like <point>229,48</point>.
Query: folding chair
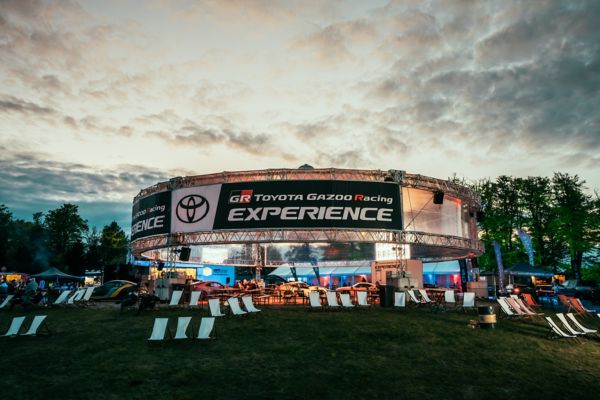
<point>566,324</point>
<point>517,308</point>
<point>468,301</point>
<point>578,305</point>
<point>361,299</point>
<point>247,300</point>
<point>38,321</point>
<point>346,302</point>
<point>194,297</point>
<point>400,299</point>
<point>61,297</point>
<point>506,307</point>
<point>332,300</point>
<point>526,309</point>
<point>314,299</point>
<point>175,298</point>
<point>182,327</point>
<point>530,301</point>
<point>6,301</point>
<point>449,298</point>
<point>556,332</point>
<point>159,330</point>
<point>76,296</point>
<point>578,325</point>
<point>15,327</point>
<point>206,327</point>
<point>413,297</point>
<point>234,306</point>
<point>214,305</point>
<point>87,296</point>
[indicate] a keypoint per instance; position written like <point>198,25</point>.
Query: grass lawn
<point>291,353</point>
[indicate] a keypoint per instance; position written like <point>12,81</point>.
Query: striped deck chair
<point>526,309</point>
<point>566,324</point>
<point>517,308</point>
<point>62,297</point>
<point>78,295</point>
<point>413,297</point>
<point>506,308</point>
<point>579,326</point>
<point>530,301</point>
<point>566,303</point>
<point>578,305</point>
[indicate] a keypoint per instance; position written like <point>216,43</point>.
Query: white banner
<point>193,209</point>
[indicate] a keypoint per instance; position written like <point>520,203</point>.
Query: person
<point>3,289</point>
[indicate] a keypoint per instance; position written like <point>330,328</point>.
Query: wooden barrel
<point>487,317</point>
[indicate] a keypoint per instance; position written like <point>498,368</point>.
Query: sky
<point>99,99</point>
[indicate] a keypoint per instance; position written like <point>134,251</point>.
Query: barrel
<point>487,318</point>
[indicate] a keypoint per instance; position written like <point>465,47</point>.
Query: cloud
<point>13,104</point>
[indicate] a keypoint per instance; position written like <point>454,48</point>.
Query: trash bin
<point>382,296</point>
<point>386,295</point>
<point>487,317</point>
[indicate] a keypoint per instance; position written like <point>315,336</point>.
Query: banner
<point>500,266</point>
<point>194,208</point>
<point>526,240</point>
<point>309,204</point>
<point>151,215</point>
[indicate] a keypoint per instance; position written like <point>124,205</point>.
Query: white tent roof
<point>441,268</point>
<point>304,272</point>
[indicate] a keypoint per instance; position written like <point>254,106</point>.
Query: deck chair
<point>566,324</point>
<point>506,307</point>
<point>413,297</point>
<point>194,297</point>
<point>214,305</point>
<point>564,300</point>
<point>361,299</point>
<point>314,299</point>
<point>530,301</point>
<point>175,298</point>
<point>346,301</point>
<point>556,332</point>
<point>468,301</point>
<point>449,298</point>
<point>75,296</point>
<point>88,293</point>
<point>578,305</point>
<point>425,297</point>
<point>159,330</point>
<point>61,297</point>
<point>206,327</point>
<point>234,306</point>
<point>517,308</point>
<point>6,301</point>
<point>526,309</point>
<point>582,328</point>
<point>15,327</point>
<point>182,327</point>
<point>247,300</point>
<point>38,321</point>
<point>332,300</point>
<point>400,299</point>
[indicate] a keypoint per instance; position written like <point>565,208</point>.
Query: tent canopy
<point>525,269</point>
<point>303,272</point>
<point>441,268</point>
<point>56,274</point>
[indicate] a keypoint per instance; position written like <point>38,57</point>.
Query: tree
<point>113,245</point>
<point>5,233</point>
<point>93,257</point>
<point>65,229</point>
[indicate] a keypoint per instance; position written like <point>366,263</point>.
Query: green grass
<point>291,353</point>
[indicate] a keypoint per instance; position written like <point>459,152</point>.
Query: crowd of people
<point>30,292</point>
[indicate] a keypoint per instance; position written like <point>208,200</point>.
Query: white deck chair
<point>506,307</point>
<point>449,297</point>
<point>517,308</point>
<point>557,331</point>
<point>38,321</point>
<point>15,327</point>
<point>314,299</point>
<point>206,327</point>
<point>61,297</point>
<point>571,316</point>
<point>159,330</point>
<point>6,300</point>
<point>214,305</point>
<point>247,300</point>
<point>175,298</point>
<point>78,294</point>
<point>361,298</point>
<point>182,327</point>
<point>234,306</point>
<point>566,324</point>
<point>332,300</point>
<point>88,293</point>
<point>194,297</point>
<point>346,301</point>
<point>400,299</point>
<point>468,301</point>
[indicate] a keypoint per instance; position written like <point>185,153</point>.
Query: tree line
<point>59,238</point>
<point>561,219</point>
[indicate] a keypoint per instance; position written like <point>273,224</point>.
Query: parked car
<point>114,290</point>
<point>361,286</point>
<point>583,289</point>
<point>300,288</point>
<point>206,287</point>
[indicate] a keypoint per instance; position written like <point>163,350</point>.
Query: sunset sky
<point>99,99</point>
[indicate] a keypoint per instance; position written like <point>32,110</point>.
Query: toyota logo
<point>191,208</point>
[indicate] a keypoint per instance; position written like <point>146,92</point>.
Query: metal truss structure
<point>426,246</point>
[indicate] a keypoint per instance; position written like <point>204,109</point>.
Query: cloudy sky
<point>99,99</point>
